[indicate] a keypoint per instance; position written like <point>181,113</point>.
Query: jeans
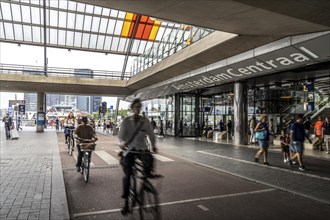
<point>7,128</point>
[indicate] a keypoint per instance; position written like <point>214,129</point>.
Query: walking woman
<point>262,134</point>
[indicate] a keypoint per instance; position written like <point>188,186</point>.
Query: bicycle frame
<point>86,159</point>
<point>146,192</point>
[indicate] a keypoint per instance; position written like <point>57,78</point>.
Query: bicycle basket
<point>87,146</point>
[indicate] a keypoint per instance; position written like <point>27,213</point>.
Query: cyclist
<point>69,122</point>
<point>82,133</point>
<point>132,135</point>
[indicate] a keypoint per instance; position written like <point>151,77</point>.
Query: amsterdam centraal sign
<point>298,52</point>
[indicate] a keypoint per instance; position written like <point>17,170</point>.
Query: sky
<point>34,55</point>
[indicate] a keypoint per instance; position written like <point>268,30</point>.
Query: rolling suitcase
<point>14,134</point>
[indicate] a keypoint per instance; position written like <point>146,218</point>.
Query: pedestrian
<point>307,125</point>
<point>319,134</point>
<point>252,125</point>
<point>19,123</point>
<point>160,126</point>
<point>222,126</point>
<point>229,127</point>
<point>326,133</point>
<point>297,137</point>
<point>132,135</point>
<point>8,120</point>
<point>262,135</point>
<point>285,146</point>
<point>104,125</point>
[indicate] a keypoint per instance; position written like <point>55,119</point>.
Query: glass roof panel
<point>5,9</point>
<point>26,14</point>
<point>53,36</point>
<point>69,38</point>
<point>2,31</point>
<point>85,26</point>
<point>27,31</point>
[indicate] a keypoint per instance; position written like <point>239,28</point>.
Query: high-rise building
<point>95,103</point>
<point>30,102</point>
<point>83,103</point>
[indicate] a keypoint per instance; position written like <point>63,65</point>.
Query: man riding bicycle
<point>132,135</point>
<point>83,133</point>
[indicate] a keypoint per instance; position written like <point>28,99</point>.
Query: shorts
<point>292,149</point>
<point>298,146</point>
<point>263,144</point>
<point>285,149</point>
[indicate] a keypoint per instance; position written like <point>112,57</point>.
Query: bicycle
<point>86,149</point>
<point>147,196</point>
<point>70,140</point>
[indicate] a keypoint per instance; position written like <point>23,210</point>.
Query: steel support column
<point>240,113</point>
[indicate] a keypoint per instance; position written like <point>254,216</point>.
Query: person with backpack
<point>262,135</point>
<point>297,138</point>
<point>132,137</point>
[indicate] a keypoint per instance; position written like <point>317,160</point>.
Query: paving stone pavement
<point>31,183</point>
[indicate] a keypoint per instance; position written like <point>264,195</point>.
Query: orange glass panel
<point>139,31</point>
<point>144,18</point>
<point>146,32</point>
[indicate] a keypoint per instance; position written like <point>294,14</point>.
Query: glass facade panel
<point>16,9</point>
<point>118,27</point>
<point>72,5</point>
<point>114,43</point>
<point>79,21</point>
<point>54,15</point>
<point>2,31</point>
<point>85,40</point>
<point>35,12</point>
<point>18,31</point>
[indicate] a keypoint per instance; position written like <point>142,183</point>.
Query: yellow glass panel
<point>127,24</point>
<point>129,16</point>
<point>154,30</point>
<point>125,29</point>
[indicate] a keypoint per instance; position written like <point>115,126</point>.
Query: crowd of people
<point>292,139</point>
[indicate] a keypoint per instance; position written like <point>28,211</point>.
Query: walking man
<point>326,133</point>
<point>297,137</point>
<point>8,120</point>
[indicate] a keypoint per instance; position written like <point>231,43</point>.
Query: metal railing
<point>61,72</point>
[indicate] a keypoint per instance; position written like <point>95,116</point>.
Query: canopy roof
<point>74,25</point>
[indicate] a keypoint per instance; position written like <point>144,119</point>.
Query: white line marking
<point>270,167</point>
<point>108,158</point>
<point>162,158</point>
<point>203,208</point>
<point>75,157</point>
<point>180,202</point>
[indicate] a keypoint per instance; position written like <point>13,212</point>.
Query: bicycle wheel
<point>86,167</point>
<point>149,202</point>
<point>71,144</point>
<point>132,194</point>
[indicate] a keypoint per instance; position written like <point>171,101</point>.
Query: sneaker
<point>256,160</point>
<point>294,162</point>
<point>302,168</point>
<point>328,152</point>
<point>290,163</point>
<point>266,163</point>
<point>285,160</point>
<point>78,169</point>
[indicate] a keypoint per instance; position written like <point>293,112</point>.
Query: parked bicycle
<point>146,196</point>
<point>86,149</point>
<point>70,140</point>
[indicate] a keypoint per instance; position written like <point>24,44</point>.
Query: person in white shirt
<point>132,137</point>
